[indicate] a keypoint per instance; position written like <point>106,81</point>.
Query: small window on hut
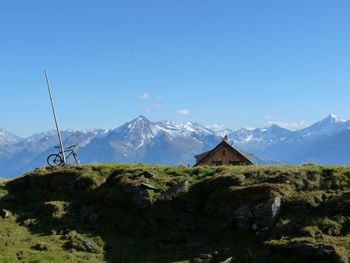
<point>223,152</point>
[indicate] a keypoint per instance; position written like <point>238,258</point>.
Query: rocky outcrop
<point>139,196</point>
<point>55,209</point>
<point>254,207</point>
<point>259,217</point>
<point>148,175</point>
<point>176,190</point>
<point>79,243</point>
<point>265,213</point>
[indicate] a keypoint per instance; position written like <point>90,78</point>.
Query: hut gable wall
<point>224,155</point>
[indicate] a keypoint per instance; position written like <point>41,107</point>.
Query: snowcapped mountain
<point>295,147</point>
<point>31,152</point>
<point>326,127</point>
<point>271,135</point>
<point>8,138</point>
<point>170,143</point>
<point>141,140</point>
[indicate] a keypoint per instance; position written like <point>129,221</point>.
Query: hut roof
<point>202,156</point>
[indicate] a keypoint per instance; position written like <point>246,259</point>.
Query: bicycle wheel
<point>54,160</point>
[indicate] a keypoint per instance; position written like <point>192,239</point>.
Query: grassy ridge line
<point>4,180</point>
<point>89,214</point>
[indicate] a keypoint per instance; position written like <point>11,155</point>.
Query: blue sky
<point>234,63</point>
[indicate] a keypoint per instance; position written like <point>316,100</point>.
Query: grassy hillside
<point>141,213</point>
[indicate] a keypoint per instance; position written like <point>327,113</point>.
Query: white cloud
<point>293,126</point>
<point>184,112</point>
<point>145,96</point>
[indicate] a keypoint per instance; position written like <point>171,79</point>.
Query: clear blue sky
<point>235,63</point>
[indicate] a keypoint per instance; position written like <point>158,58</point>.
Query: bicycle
<point>56,159</point>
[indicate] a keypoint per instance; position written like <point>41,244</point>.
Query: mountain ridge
<point>169,143</point>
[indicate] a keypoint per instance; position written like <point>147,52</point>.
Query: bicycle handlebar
<point>72,146</point>
<point>69,147</point>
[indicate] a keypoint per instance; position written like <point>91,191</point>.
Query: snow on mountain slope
<point>141,140</point>
<point>326,127</point>
<point>8,138</point>
<point>171,143</point>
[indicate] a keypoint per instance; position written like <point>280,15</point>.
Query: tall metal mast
<point>56,122</point>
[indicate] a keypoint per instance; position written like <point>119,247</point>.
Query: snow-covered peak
<point>8,138</point>
<point>139,123</point>
<point>332,118</point>
<point>92,131</point>
<point>326,127</point>
<point>184,129</point>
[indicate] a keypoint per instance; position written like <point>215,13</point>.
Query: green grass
<point>101,213</point>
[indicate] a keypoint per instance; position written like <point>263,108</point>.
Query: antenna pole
<point>56,122</point>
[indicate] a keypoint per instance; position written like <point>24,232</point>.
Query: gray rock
<point>244,217</point>
<point>5,213</point>
<point>8,197</point>
<point>148,186</point>
<point>147,175</point>
<point>266,213</point>
<point>228,260</point>
<point>141,198</point>
<point>176,190</point>
<point>259,217</point>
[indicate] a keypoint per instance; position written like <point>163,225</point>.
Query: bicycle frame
<point>70,153</point>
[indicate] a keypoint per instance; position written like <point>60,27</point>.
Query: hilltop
<point>144,213</point>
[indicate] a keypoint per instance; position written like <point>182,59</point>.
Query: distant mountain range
<point>170,143</point>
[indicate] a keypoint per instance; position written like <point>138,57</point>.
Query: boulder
<point>136,191</point>
<point>176,190</point>
<point>259,217</point>
<point>147,175</point>
<point>149,187</point>
<point>140,197</point>
<point>266,213</point>
<point>79,243</point>
<point>55,209</point>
